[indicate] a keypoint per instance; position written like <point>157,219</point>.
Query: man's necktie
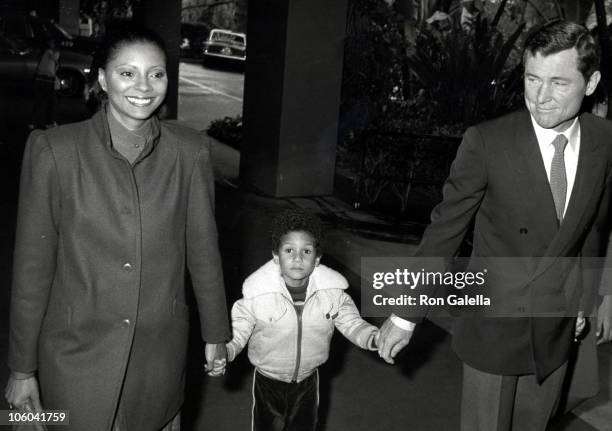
<point>558,178</point>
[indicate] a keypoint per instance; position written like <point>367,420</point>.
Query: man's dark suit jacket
<point>498,180</point>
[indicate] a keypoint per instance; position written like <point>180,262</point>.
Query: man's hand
<point>22,393</point>
<point>604,320</point>
<point>216,359</point>
<point>391,339</point>
<point>580,325</point>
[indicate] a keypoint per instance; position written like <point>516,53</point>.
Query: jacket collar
<point>267,279</point>
<point>100,125</point>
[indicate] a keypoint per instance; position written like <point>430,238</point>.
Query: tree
<point>229,14</point>
<point>101,11</point>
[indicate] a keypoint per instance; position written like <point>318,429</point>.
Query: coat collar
<point>100,125</point>
<point>267,279</point>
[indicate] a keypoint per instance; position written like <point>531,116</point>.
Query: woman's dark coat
<point>98,301</point>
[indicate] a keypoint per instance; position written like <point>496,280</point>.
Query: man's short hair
<point>558,36</point>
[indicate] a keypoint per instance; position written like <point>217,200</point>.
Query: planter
<point>399,175</point>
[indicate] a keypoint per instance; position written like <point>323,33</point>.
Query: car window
<point>56,31</point>
<point>5,47</point>
<point>40,33</point>
<point>227,37</point>
<point>16,26</point>
<point>12,45</point>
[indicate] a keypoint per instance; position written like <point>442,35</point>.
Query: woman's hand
<point>22,392</point>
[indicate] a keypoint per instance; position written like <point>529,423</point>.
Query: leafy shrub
<point>462,76</point>
<point>227,130</point>
<point>397,95</point>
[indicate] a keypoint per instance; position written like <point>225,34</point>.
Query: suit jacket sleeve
<point>35,253</point>
<point>462,193</point>
<point>350,323</point>
<point>203,258</point>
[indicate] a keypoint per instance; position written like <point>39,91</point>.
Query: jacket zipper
<point>298,354</point>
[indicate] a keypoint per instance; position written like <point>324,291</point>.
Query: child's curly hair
<point>296,221</point>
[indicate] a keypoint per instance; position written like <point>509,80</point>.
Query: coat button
<point>125,323</point>
<point>127,267</point>
<point>523,230</point>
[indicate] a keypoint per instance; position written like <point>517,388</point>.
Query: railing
<point>395,166</point>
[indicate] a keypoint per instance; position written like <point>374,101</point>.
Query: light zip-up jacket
<point>286,345</point>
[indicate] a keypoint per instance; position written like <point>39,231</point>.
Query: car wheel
<point>71,83</point>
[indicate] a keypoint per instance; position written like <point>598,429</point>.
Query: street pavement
<point>207,94</point>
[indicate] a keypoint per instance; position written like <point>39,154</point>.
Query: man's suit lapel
<point>532,181</point>
<point>588,173</point>
<point>534,185</point>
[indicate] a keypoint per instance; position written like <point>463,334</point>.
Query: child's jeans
<point>280,406</point>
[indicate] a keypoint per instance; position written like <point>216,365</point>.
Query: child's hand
<point>218,368</point>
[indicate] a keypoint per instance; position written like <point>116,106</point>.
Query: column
<point>292,96</point>
<point>164,17</point>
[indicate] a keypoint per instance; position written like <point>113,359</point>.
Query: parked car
<point>18,63</point>
<point>226,45</point>
<point>75,58</point>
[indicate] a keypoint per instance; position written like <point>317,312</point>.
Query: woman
<point>111,212</point>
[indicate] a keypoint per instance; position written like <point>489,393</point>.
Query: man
<point>536,184</point>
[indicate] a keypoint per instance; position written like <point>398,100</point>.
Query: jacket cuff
<point>231,352</point>
<point>404,324</point>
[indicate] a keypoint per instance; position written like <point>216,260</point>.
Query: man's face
<point>554,88</point>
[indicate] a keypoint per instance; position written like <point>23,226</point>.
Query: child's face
<point>297,258</point>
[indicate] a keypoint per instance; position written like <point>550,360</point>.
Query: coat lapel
<point>531,179</point>
<point>588,175</point>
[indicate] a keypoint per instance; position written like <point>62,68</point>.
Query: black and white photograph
<point>382,215</point>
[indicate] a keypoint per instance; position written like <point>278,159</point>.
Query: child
<point>288,312</point>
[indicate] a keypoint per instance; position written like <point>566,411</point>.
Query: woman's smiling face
<point>135,81</point>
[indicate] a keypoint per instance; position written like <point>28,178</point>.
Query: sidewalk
<point>359,392</point>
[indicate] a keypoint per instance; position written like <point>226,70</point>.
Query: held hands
<point>22,393</point>
<point>216,359</point>
<point>390,340</point>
